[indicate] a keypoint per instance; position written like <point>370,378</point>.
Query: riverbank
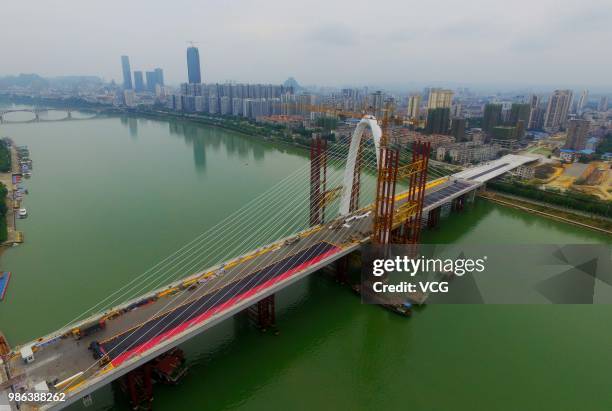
<point>568,199</point>
<point>6,187</point>
<point>272,133</point>
<point>581,220</point>
<point>8,229</point>
<point>5,167</point>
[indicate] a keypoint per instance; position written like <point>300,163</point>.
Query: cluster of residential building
<point>461,126</point>
<point>246,100</point>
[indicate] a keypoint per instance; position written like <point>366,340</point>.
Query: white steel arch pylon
<point>351,160</point>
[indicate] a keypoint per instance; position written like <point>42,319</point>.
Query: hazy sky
<point>332,42</point>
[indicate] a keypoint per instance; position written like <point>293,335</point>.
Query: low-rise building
<point>129,98</point>
<point>524,172</point>
<point>467,152</point>
<point>567,155</point>
<point>405,136</point>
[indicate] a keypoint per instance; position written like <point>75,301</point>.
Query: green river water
<point>110,197</point>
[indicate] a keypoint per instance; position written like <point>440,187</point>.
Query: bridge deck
<point>214,298</point>
<point>494,168</point>
<point>223,293</point>
<point>125,345</point>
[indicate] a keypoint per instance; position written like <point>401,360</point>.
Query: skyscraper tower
<point>160,76</point>
<point>414,105</point>
<point>584,98</point>
<point>138,81</point>
<point>603,104</point>
<point>536,111</point>
<point>127,73</point>
<point>193,65</point>
<point>492,117</point>
<point>518,112</point>
<point>557,109</point>
<point>151,77</point>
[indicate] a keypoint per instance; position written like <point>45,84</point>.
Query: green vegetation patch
<point>5,157</point>
<point>606,144</point>
<point>570,199</point>
<point>3,210</point>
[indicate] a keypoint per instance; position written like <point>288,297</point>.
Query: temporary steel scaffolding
<point>408,216</point>
<point>385,195</point>
<point>320,196</point>
<point>401,225</point>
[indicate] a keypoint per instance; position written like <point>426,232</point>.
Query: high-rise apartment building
<point>414,105</point>
<point>534,105</point>
<point>458,129</point>
<point>504,133</point>
<point>536,120</point>
<point>519,112</point>
<point>577,132</point>
<point>603,104</point>
<point>160,76</point>
<point>377,102</point>
<point>155,78</point>
<point>457,110</point>
<point>193,65</point>
<point>492,117</point>
<point>582,102</point>
<point>556,112</point>
<point>439,98</point>
<point>151,80</point>
<point>127,72</point>
<point>438,120</point>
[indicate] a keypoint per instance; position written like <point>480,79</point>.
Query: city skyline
<point>475,43</point>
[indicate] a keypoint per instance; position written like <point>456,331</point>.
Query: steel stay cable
<point>209,297</point>
<point>172,301</point>
<point>200,238</point>
<point>208,264</point>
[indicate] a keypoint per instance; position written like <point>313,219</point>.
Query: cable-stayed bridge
<point>237,265</point>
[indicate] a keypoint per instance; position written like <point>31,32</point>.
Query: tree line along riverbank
<point>568,199</point>
<point>549,211</point>
<point>5,167</point>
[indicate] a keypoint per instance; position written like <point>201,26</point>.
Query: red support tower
<point>410,230</point>
<point>402,224</point>
<point>385,196</point>
<point>318,179</point>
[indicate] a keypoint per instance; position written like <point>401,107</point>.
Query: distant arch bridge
<point>36,111</point>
